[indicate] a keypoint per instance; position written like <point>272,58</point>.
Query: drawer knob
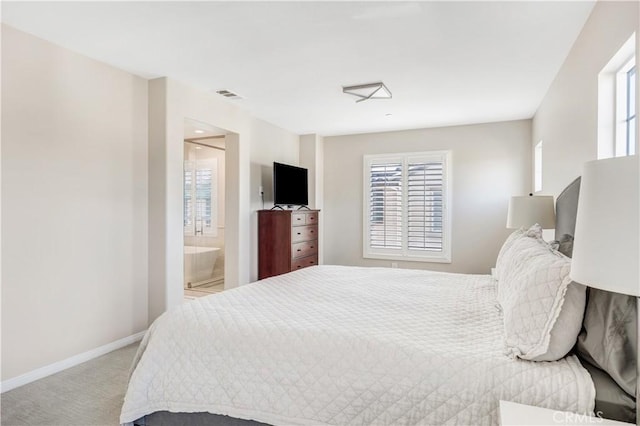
<point>301,250</point>
<point>299,233</point>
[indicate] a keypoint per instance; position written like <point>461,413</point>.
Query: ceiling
<point>446,63</point>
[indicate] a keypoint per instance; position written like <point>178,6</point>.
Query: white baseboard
<point>59,366</point>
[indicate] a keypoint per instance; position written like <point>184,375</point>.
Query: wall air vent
<point>228,94</point>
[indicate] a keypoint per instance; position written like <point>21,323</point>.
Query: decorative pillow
<point>534,232</point>
<point>542,308</point>
<point>565,331</point>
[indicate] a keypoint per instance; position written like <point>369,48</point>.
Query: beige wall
<point>312,158</point>
<point>92,198</point>
<point>268,144</point>
<point>74,203</point>
<point>491,162</point>
<point>566,120</point>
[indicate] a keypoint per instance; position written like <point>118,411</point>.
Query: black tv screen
<point>290,185</point>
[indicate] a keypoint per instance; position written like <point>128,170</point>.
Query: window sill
<point>440,259</point>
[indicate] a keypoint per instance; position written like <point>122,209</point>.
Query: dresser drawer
<point>312,218</point>
<point>303,262</point>
<point>306,248</point>
<point>304,218</point>
<point>298,219</point>
<point>304,233</point>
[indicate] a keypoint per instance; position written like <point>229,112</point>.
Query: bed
<point>347,345</point>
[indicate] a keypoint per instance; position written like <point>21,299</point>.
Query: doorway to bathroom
<point>203,209</point>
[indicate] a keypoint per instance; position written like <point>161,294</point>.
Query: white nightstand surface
<point>512,414</point>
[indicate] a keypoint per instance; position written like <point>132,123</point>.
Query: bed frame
<point>611,400</point>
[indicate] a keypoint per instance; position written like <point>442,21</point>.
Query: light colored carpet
<point>88,394</point>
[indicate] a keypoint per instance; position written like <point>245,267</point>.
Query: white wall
<point>268,144</point>
<point>491,162</point>
<point>566,120</point>
<point>74,204</point>
<point>312,158</point>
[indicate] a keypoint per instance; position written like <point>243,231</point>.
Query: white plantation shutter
<point>187,214</point>
<point>200,197</point>
<point>407,214</point>
<point>425,183</point>
<point>385,201</point>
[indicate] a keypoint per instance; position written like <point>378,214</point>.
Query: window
<point>630,111</point>
<point>625,113</point>
<point>407,207</point>
<point>200,184</point>
<point>537,167</point>
<point>617,104</point>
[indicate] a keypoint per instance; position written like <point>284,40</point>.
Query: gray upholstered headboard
<point>567,209</point>
<point>607,343</point>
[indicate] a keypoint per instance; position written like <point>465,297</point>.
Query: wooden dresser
<point>287,240</point>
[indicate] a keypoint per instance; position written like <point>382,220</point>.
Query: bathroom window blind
<point>407,214</point>
<point>200,197</point>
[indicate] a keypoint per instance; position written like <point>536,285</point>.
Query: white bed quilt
<point>346,346</point>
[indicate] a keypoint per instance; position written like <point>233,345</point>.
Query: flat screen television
<point>290,185</point>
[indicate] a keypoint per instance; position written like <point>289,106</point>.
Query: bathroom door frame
<point>170,102</point>
<point>200,142</point>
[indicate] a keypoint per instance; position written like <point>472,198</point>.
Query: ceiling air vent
<point>228,94</point>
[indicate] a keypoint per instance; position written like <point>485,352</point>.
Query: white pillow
<point>565,331</point>
<point>542,307</point>
<point>504,255</point>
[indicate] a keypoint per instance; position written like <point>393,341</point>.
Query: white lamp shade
<point>529,210</point>
<point>605,251</point>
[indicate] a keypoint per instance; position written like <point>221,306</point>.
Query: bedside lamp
<point>607,237</point>
<point>529,210</point>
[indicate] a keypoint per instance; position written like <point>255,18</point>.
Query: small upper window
<point>617,104</point>
<point>630,115</point>
<point>537,171</point>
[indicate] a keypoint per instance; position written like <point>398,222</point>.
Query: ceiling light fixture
<point>368,91</point>
<point>199,131</point>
